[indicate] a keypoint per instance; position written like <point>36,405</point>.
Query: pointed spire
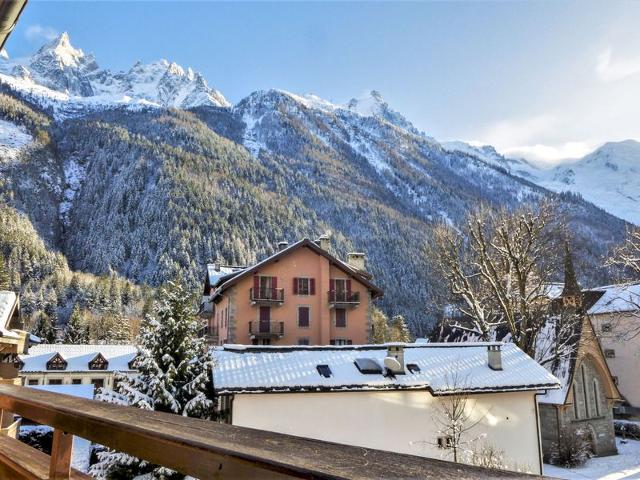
<point>571,285</point>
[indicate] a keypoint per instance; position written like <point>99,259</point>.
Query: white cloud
<point>609,70</point>
<point>39,33</point>
<point>546,156</point>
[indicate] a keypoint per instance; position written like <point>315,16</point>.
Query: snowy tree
<point>76,331</point>
<point>173,376</point>
<point>398,330</point>
<point>380,326</point>
<point>5,280</point>
<point>43,328</point>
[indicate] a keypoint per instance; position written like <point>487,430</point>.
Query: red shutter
<point>295,286</point>
<point>274,285</point>
<point>348,282</point>
<point>256,286</point>
<point>332,285</point>
<point>312,286</point>
<point>303,316</point>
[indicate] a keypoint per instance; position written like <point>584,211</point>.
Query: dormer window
<point>133,362</point>
<point>98,363</point>
<point>57,363</point>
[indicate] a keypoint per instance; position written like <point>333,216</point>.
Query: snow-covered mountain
<point>65,78</point>
<point>609,177</point>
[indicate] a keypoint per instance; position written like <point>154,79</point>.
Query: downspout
<point>10,11</point>
<point>540,462</point>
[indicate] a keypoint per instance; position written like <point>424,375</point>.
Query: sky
<point>547,81</point>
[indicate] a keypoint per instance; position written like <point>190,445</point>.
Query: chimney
<point>217,265</point>
<point>323,242</point>
<point>395,359</point>
<point>494,356</point>
<point>282,245</point>
<point>356,260</point>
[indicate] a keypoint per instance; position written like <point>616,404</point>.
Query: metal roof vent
<point>494,357</point>
<point>282,245</point>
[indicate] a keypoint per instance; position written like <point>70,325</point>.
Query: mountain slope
<point>154,193</point>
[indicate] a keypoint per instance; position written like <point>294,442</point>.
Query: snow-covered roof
<point>7,304</point>
<point>443,368</point>
<point>617,299</point>
<point>218,272</point>
<point>78,357</point>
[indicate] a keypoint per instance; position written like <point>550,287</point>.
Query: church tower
<point>571,293</point>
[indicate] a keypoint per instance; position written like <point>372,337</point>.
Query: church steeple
<point>571,292</point>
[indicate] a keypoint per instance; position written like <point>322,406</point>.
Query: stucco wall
<point>299,263</point>
<point>404,422</point>
<point>627,352</point>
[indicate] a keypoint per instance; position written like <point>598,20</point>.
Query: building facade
<point>391,397</point>
<point>616,320</point>
<point>65,364</point>
<point>302,295</point>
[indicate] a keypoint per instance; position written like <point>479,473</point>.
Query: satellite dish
<point>393,365</point>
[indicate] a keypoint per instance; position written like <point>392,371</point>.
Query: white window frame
<point>308,289</point>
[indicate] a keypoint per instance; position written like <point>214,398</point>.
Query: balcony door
<point>265,319</point>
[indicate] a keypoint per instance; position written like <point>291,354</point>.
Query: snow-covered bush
<point>573,451</point>
<point>174,367</point>
<point>627,428</point>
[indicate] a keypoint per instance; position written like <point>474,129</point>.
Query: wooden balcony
<point>266,296</point>
<point>342,299</point>
<point>266,329</point>
<point>200,448</point>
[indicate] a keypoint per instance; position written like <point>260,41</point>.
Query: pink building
<point>301,295</point>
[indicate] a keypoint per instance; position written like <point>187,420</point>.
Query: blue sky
<point>546,80</point>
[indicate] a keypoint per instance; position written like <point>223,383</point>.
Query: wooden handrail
<point>206,449</point>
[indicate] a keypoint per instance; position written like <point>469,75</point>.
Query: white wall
<point>401,421</point>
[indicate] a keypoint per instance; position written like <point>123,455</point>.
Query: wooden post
<point>60,467</point>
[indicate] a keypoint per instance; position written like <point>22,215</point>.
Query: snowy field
<point>13,139</point>
<point>625,465</point>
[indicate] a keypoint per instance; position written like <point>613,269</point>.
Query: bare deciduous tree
<point>498,269</point>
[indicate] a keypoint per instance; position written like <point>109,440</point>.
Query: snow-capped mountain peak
<point>63,77</point>
<point>374,105</point>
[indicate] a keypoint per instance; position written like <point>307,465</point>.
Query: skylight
<point>324,370</point>
<point>413,367</point>
<point>368,366</point>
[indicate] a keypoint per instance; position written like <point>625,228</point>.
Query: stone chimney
<point>395,352</point>
<point>324,242</point>
<point>217,265</point>
<point>494,354</point>
<point>356,260</point>
<point>282,245</point>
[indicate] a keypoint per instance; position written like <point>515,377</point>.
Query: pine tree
<point>76,331</point>
<point>398,331</point>
<point>43,328</point>
<point>5,280</point>
<point>174,376</point>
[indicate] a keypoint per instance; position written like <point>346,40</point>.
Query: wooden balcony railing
<point>266,329</point>
<point>266,295</point>
<point>200,448</point>
<point>340,297</point>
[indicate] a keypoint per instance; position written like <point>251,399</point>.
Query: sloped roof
<point>246,369</point>
<point>225,281</point>
<point>8,301</point>
<point>78,357</point>
<point>617,299</point>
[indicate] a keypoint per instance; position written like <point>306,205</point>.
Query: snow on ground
<point>13,139</point>
<point>625,465</point>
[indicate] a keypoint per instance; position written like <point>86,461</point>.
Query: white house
<point>66,364</point>
<point>389,397</point>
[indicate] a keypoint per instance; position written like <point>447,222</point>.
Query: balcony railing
<point>266,295</point>
<point>200,448</point>
<point>343,297</point>
<point>266,329</point>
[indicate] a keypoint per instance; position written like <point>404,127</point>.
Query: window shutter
<point>349,342</point>
<point>332,342</point>
<point>274,285</point>
<point>256,286</point>
<point>332,285</point>
<point>348,282</point>
<point>312,286</point>
<point>295,286</point>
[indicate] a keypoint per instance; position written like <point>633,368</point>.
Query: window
<point>303,341</point>
<point>606,327</point>
<point>98,363</point>
<point>304,315</point>
<point>596,400</point>
<point>34,382</point>
<point>55,381</point>
<point>304,286</point>
<point>413,367</point>
<point>367,366</point>
<point>585,394</point>
<point>576,411</point>
<point>445,441</point>
<point>324,370</point>
<point>57,363</point>
<point>609,353</point>
<point>76,381</point>
<point>97,382</point>
<point>341,317</point>
<point>340,341</point>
